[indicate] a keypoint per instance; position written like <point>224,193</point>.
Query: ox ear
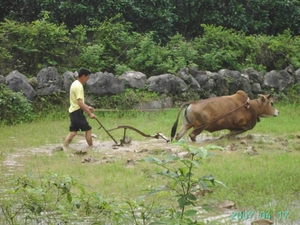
<point>262,97</point>
<point>269,96</point>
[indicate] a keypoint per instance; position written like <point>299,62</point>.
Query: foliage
<point>14,107</point>
<point>185,186</point>
<point>277,52</point>
<point>154,59</point>
<point>224,48</point>
<point>125,100</point>
<point>114,39</point>
<point>112,46</point>
<point>33,46</point>
<point>54,106</point>
<point>165,18</point>
<point>51,199</point>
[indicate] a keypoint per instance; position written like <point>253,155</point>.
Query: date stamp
<point>249,215</point>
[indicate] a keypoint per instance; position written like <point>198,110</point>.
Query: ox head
<point>266,108</point>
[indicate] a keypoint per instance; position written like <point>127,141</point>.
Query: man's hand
<point>91,108</point>
<point>92,116</point>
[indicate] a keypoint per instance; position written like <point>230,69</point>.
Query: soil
<point>132,150</point>
<point>107,151</point>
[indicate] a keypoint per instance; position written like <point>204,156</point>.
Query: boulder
<point>68,78</point>
<point>105,84</point>
<point>297,76</point>
<point>49,81</point>
<point>2,79</point>
<point>221,84</point>
<point>189,80</point>
<point>159,104</point>
<point>253,75</point>
<point>236,81</point>
<point>280,81</point>
<point>133,79</point>
<point>18,82</point>
<point>256,88</point>
<point>166,83</point>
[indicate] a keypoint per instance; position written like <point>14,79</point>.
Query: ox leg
<point>233,133</point>
<point>195,132</point>
<point>182,131</point>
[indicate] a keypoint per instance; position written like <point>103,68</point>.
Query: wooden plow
<point>123,140</point>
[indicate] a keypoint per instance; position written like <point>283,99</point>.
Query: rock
<point>105,84</point>
<point>18,82</point>
<point>227,205</point>
<point>2,79</point>
<point>279,80</point>
<point>189,80</point>
<point>133,79</point>
<point>68,78</point>
<point>49,81</point>
<point>166,83</point>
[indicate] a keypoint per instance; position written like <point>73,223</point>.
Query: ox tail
<point>174,127</point>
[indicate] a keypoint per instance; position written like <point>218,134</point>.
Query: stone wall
<point>187,83</point>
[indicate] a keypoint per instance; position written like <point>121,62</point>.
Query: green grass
<point>265,182</point>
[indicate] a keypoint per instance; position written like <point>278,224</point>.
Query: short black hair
<point>84,71</point>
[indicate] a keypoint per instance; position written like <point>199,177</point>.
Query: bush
<point>221,48</point>
<point>33,46</point>
<point>14,107</point>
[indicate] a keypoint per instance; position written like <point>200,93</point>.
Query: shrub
<point>221,48</point>
<point>277,52</point>
<point>14,107</point>
<point>34,45</point>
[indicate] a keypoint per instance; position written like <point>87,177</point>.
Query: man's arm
<point>88,109</point>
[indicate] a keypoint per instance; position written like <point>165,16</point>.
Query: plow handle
<point>106,131</point>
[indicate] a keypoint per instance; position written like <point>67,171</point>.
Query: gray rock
<point>134,79</point>
<point>105,84</point>
<point>256,88</point>
<point>159,104</point>
<point>166,83</point>
<point>18,82</point>
<point>68,78</point>
<point>49,81</point>
<point>297,75</point>
<point>278,80</point>
<point>189,80</point>
<point>2,79</point>
<point>254,76</point>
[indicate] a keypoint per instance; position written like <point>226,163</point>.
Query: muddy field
<point>250,144</point>
<point>107,151</point>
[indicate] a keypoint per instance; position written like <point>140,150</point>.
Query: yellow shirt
<point>76,92</point>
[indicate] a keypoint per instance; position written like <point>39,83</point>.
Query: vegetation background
<point>153,37</point>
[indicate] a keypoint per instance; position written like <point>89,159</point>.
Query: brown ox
<point>234,112</point>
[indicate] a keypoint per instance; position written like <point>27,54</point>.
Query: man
<point>77,107</point>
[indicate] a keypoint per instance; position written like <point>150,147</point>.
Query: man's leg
<point>69,138</point>
<point>88,137</point>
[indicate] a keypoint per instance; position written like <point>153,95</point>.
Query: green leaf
<point>191,212</point>
<point>69,197</point>
<point>153,160</point>
<point>191,197</point>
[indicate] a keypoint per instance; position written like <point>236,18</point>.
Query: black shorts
<point>78,121</point>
